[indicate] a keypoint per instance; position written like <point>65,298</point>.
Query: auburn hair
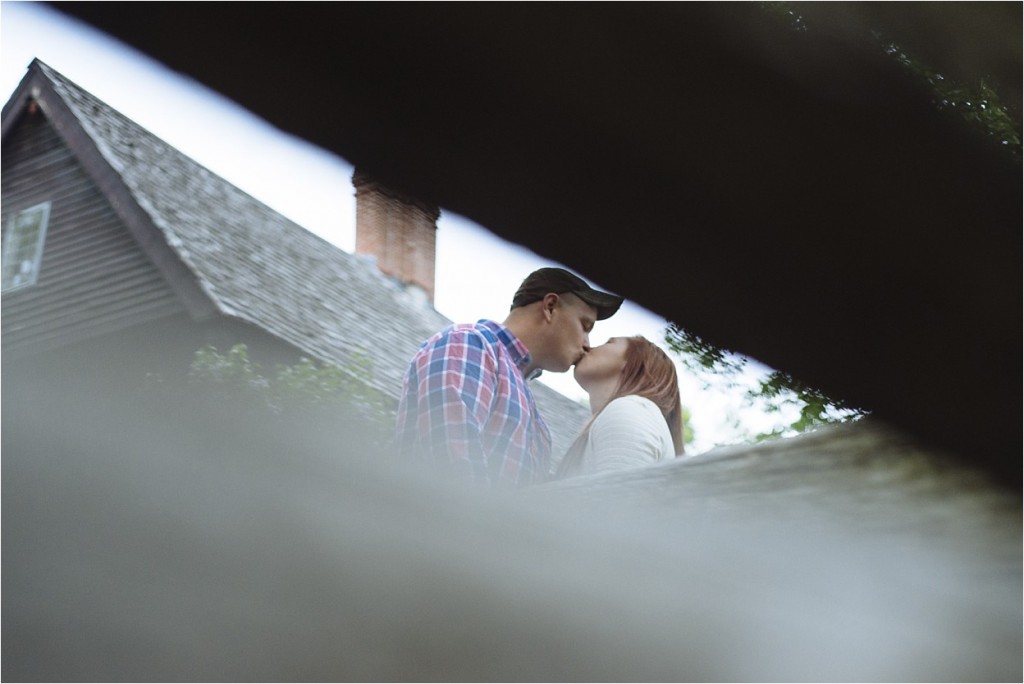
<point>649,373</point>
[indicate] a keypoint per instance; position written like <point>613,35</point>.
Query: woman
<point>634,399</point>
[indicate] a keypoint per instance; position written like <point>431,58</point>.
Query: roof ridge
<point>238,247</point>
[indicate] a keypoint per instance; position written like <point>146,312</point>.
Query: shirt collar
<point>516,349</point>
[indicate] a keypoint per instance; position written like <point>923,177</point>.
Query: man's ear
<point>550,304</point>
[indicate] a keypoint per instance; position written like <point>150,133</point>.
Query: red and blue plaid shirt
<point>467,407</point>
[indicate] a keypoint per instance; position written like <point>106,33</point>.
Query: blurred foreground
<point>169,538</point>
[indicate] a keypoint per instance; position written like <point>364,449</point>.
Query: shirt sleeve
<point>453,379</point>
<point>628,433</point>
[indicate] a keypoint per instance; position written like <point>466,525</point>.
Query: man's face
<point>572,319</point>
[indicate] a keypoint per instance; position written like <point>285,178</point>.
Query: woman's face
<point>604,362</point>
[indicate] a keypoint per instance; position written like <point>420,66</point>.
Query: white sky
<point>313,188</point>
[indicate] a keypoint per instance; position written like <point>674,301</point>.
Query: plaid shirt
<point>466,406</point>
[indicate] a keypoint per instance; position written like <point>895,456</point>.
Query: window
<point>23,246</point>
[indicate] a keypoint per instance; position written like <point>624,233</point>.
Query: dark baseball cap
<point>558,280</point>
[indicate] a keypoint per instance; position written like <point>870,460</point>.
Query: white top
<point>629,432</point>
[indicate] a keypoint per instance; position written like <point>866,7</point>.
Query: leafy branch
<point>305,388</point>
<point>772,393</point>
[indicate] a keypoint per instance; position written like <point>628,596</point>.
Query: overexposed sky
<point>477,273</point>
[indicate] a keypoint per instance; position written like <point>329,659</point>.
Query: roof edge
<point>15,105</point>
<point>37,87</point>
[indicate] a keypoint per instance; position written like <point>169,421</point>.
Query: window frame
<point>37,256</point>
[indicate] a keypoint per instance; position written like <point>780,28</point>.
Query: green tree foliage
<point>771,393</point>
<point>307,389</point>
<point>687,427</point>
<point>978,103</point>
<point>815,407</point>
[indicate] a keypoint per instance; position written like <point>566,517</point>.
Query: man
<point>466,402</point>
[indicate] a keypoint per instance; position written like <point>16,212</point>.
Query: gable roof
<point>228,254</point>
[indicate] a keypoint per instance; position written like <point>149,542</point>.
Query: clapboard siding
<point>93,279</point>
<point>110,319</point>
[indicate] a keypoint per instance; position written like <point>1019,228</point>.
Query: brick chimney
<point>398,230</point>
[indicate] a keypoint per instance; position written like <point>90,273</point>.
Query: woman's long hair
<point>648,373</point>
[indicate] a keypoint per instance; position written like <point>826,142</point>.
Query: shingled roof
<point>253,264</point>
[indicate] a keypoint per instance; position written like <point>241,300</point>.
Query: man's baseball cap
<point>558,280</point>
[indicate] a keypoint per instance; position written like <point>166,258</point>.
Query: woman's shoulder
<point>630,411</point>
<point>629,432</point>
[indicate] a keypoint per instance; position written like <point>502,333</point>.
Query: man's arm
<point>450,386</point>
